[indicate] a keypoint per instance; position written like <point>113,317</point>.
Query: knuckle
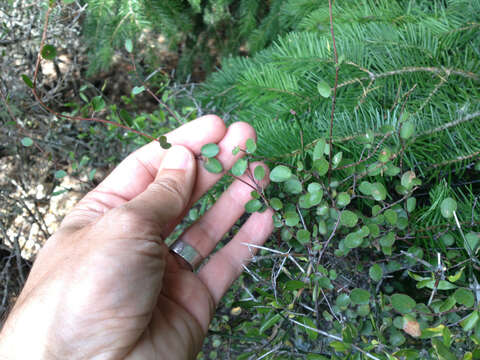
<point>126,218</point>
<point>169,187</point>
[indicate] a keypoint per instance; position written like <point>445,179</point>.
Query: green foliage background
<point>200,31</point>
<point>402,64</point>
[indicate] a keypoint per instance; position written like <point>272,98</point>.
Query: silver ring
<point>187,253</point>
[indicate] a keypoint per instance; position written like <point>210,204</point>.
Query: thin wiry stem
<point>334,98</point>
<point>334,337</point>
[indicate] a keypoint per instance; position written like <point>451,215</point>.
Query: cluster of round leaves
<point>211,164</point>
<point>308,208</point>
<point>305,197</point>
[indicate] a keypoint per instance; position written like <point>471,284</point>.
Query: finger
<point>212,226</point>
<point>163,200</point>
<point>237,134</point>
<point>132,176</point>
<point>137,171</point>
<point>227,264</point>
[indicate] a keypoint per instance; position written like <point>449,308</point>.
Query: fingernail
<point>177,158</point>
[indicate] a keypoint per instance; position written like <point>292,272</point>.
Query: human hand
<point>105,285</point>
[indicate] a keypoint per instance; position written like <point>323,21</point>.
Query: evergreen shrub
<point>199,31</point>
<point>373,146</point>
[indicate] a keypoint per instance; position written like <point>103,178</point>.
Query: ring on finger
<point>187,252</point>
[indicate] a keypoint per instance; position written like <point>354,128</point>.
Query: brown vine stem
<point>57,114</point>
<point>334,98</point>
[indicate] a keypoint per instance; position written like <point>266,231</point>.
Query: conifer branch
<point>450,124</point>
<point>443,80</point>
<point>412,69</point>
<point>454,161</point>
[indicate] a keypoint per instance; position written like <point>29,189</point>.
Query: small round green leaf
<point>376,273</point>
<point>293,186</point>
<point>251,146</point>
<point>291,218</point>
<point>447,239</point>
<point>303,236</point>
<point>129,45</point>
<point>360,296</point>
<point>447,207</point>
<point>411,203</point>
<point>464,297</point>
<point>387,240</point>
<point>138,90</point>
<point>253,205</point>
<point>213,165</point>
<point>384,155</point>
<point>336,159</point>
<point>391,216</point>
<point>314,187</point>
<point>319,149</point>
<point>379,192</point>
<point>348,218</point>
<point>402,303</point>
<point>397,339</point>
<point>280,173</point>
<point>343,199</point>
<point>49,52</point>
<point>322,227</point>
<point>276,203</point>
<point>164,144</point>
<point>353,240</point>
<point>470,321</point>
<point>343,300</point>
<point>473,240</point>
<point>210,150</point>
<point>407,180</point>
<point>363,310</point>
<point>259,172</point>
<point>59,174</point>
<point>304,201</point>
<point>366,188</point>
<point>239,167</point>
<point>26,141</point>
<point>321,166</point>
<point>407,130</point>
<point>324,89</point>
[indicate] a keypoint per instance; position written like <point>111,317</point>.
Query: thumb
<point>168,195</point>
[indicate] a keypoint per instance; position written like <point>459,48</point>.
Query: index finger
<point>133,175</point>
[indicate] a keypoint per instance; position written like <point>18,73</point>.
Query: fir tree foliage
<point>400,61</point>
<point>393,200</point>
<point>201,31</point>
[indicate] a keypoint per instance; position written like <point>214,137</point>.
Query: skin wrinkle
<point>179,334</point>
<point>205,236</point>
<point>174,188</point>
<point>210,300</point>
<point>151,169</point>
